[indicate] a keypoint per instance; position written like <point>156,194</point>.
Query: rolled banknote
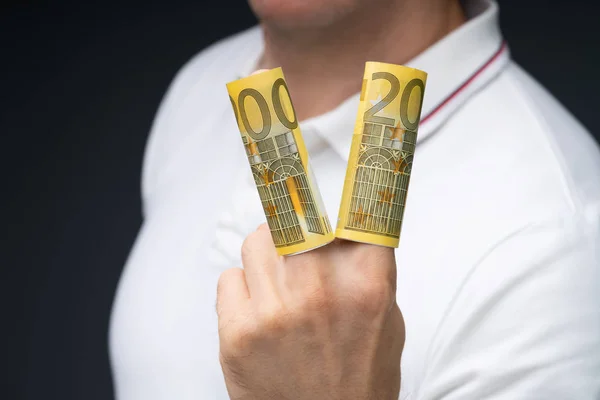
<point>279,162</point>
<point>381,154</point>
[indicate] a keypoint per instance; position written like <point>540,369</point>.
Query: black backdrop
<point>80,82</point>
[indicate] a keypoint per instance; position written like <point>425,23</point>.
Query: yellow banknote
<point>381,154</point>
<point>279,162</point>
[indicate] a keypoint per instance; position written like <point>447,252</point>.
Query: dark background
<point>80,82</point>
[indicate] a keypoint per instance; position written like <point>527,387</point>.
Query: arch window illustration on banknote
<point>283,188</point>
<point>381,180</point>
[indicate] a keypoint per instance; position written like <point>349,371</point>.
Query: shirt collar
<point>457,66</point>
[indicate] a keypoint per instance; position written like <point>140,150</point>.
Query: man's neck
<point>324,66</point>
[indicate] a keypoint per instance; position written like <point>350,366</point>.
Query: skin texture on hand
<point>319,325</point>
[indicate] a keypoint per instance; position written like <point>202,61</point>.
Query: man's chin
<point>302,14</point>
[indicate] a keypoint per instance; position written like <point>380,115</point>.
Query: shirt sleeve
<point>525,323</point>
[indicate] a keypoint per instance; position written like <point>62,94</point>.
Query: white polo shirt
<point>499,262</point>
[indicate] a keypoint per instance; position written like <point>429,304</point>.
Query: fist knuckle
<point>273,321</point>
<point>238,339</point>
<point>226,276</point>
<point>316,299</point>
<point>374,298</point>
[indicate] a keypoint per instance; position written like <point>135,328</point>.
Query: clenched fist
<point>319,325</point>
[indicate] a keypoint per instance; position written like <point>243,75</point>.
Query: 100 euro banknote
<point>279,162</point>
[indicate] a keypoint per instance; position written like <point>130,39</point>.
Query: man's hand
<point>320,325</point>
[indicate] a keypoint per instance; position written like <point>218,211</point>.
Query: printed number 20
<point>390,96</point>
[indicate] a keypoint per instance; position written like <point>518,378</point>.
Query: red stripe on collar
<point>497,54</point>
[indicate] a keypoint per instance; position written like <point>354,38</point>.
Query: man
<point>498,270</point>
